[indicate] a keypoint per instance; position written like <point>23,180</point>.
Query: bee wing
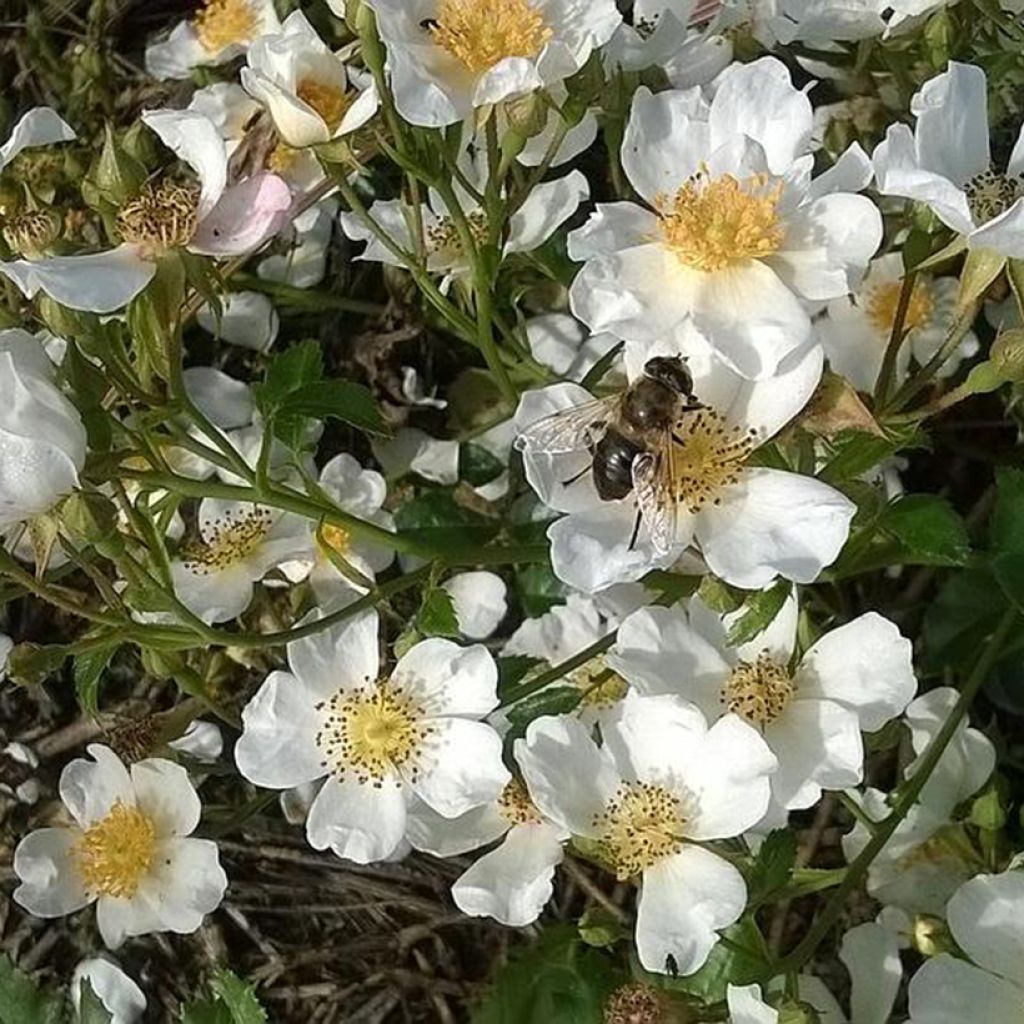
<point>570,430</point>
<point>654,486</point>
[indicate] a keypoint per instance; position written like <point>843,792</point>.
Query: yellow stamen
<point>713,223</point>
<point>516,806</point>
<point>231,539</point>
<point>282,158</point>
<point>883,300</point>
<point>480,33</point>
<point>160,217</point>
<point>115,854</point>
<point>222,23</point>
<point>371,733</point>
<point>641,825</point>
<point>709,457</point>
<point>759,690</point>
<point>328,101</point>
<point>336,538</point>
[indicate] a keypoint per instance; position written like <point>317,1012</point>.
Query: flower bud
<point>527,114</point>
<point>42,438</point>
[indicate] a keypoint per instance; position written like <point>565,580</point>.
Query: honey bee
<point>630,436</point>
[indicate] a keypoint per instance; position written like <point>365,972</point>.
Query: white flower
<point>662,787</point>
<point>122,998</point>
<point>247,319</point>
<point>855,678</point>
<point>40,126</point>
<point>128,851</point>
<point>561,342</point>
<point>578,139</point>
<point>220,32</point>
<point>548,206</point>
<point>378,740</point>
<point>986,917</point>
<point>361,493</point>
<point>305,262</point>
<point>42,439</point>
<point>412,450</point>
<point>214,219</point>
<point>735,238</point>
<point>228,107</point>
<point>821,23</point>
<point>308,91</point>
<point>447,57</point>
<point>857,329</point>
<point>202,741</point>
<point>945,163</point>
<point>239,544</point>
<point>6,646</point>
<point>513,882</point>
<point>479,601</point>
<point>750,523</point>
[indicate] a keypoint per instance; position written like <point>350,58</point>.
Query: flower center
<point>31,233</point>
<point>442,237</point>
<point>372,733</point>
<point>232,538</point>
<point>222,23</point>
<point>516,806</point>
<point>709,458</point>
<point>328,101</point>
<point>642,824</point>
<point>713,223</point>
<point>758,690</point>
<point>160,217</point>
<point>336,538</point>
<point>480,33</point>
<point>281,158</point>
<point>114,854</point>
<point>883,300</point>
<point>602,687</point>
<point>991,193</point>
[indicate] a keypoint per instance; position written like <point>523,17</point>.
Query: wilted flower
<point>129,851</point>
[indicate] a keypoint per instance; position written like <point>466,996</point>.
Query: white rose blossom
<point>661,787</point>
<point>986,918</point>
<point>120,996</point>
<point>246,319</point>
<point>945,162</point>
<point>749,523</point>
<point>734,239</point>
<point>42,438</point>
<point>854,678</point>
<point>479,600</point>
<point>448,57</point>
<point>378,740</point>
<point>129,851</point>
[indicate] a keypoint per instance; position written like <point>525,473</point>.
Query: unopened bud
<point>116,175</point>
<point>527,114</point>
<point>1007,354</point>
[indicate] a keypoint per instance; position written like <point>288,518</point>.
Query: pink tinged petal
<point>749,316</point>
<point>512,883</point>
<point>949,991</point>
<point>45,866</point>
<point>247,215</point>
<point>462,767</point>
<point>345,656</point>
<point>569,778</point>
<point>165,794</point>
<point>866,665</point>
<point>819,747</point>
<point>101,282</point>
<point>659,652</point>
<point>40,126</point>
<point>447,679</point>
<point>985,918</point>
<point>194,138</point>
<point>358,821</point>
<point>684,900</point>
<point>90,789</point>
<point>611,227</point>
<point>773,523</point>
<point>871,953</point>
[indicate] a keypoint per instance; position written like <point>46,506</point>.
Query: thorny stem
<point>884,829</point>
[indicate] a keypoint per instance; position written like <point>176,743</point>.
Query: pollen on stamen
<point>229,539</point>
<point>708,456</point>
<point>223,23</point>
<point>759,690</point>
<point>161,217</point>
<point>443,239</point>
<point>115,854</point>
<point>481,33</point>
<point>990,193</point>
<point>515,805</point>
<point>329,101</point>
<point>713,223</point>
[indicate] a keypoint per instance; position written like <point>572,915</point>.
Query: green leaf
<point>204,1011</point>
<point>24,1002</point>
<point>599,927</point>
<point>759,613</point>
<point>513,668</point>
<point>539,589</point>
<point>435,517</point>
<point>552,700</point>
<point>290,370</point>
<point>1006,530</point>
<point>89,668</point>
<point>436,616</point>
<point>773,866</point>
<point>929,529</point>
<point>336,399</point>
<point>238,996</point>
<point>89,386</point>
<point>558,980</point>
<point>855,452</point>
<point>477,465</point>
<point>91,1010</point>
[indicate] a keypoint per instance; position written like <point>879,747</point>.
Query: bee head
<point>672,372</point>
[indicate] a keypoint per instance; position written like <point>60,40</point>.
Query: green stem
<point>887,371</point>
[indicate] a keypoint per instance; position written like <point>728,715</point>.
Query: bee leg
<point>636,530</point>
<point>577,476</point>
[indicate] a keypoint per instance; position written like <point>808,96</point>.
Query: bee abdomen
<point>613,465</point>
